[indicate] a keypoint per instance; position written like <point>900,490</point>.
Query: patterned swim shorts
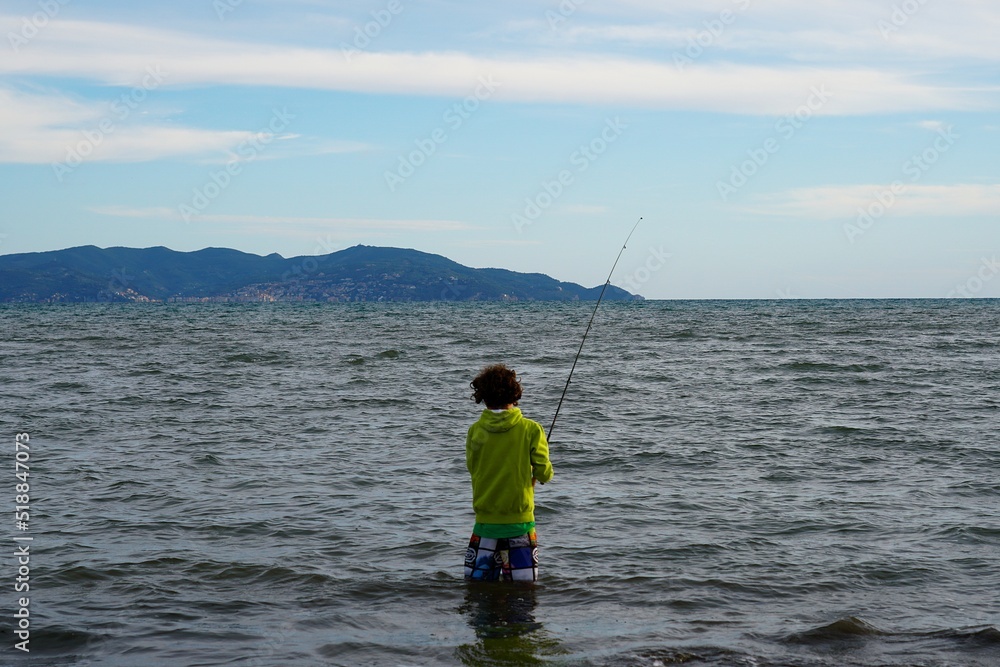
<point>502,558</point>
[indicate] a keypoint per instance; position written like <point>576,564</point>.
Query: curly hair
<point>497,385</point>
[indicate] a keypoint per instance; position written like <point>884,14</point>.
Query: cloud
<point>49,128</point>
<point>293,145</point>
<point>836,202</point>
<point>286,224</point>
<point>119,54</point>
<point>45,127</point>
<point>492,243</point>
<point>788,30</point>
<point>586,209</point>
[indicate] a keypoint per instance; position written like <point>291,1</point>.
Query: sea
<point>737,483</point>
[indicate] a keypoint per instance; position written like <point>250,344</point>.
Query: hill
<point>360,273</point>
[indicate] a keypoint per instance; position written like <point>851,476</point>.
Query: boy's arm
<point>541,467</point>
<point>468,450</point>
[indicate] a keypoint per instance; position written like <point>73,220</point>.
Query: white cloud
<point>120,54</point>
<point>835,202</point>
<point>44,127</point>
<point>845,31</point>
<point>492,243</point>
<point>157,212</point>
<point>49,128</point>
<point>296,146</point>
<point>585,209</point>
<point>286,224</point>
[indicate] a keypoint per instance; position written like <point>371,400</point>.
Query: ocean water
<point>786,483</point>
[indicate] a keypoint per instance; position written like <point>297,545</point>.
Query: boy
<point>505,453</point>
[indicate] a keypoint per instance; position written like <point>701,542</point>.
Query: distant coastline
<point>222,275</point>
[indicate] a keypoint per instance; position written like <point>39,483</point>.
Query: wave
<point>852,629</point>
<point>833,367</point>
<point>127,573</point>
<point>849,628</point>
<point>986,637</point>
<point>59,386</point>
<point>49,640</point>
<point>257,358</point>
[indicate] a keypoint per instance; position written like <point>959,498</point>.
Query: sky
<point>779,149</point>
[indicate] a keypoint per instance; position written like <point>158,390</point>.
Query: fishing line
<point>592,316</point>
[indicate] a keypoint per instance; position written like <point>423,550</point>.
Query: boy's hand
<point>533,480</point>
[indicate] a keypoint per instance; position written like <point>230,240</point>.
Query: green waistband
<point>497,530</point>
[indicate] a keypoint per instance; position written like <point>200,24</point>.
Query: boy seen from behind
<point>506,454</point>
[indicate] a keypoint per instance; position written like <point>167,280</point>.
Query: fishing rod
<point>592,316</point>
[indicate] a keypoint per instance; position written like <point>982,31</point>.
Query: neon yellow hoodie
<point>503,451</point>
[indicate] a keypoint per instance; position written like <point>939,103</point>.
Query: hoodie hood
<point>498,422</point>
